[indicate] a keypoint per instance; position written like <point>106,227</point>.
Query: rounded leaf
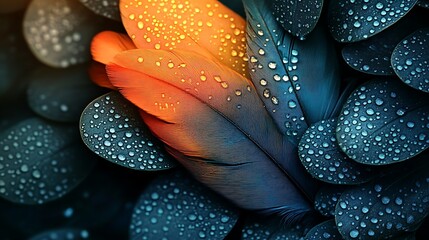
<point>410,60</point>
<point>324,230</point>
<point>112,128</point>
<point>272,228</point>
<point>61,95</point>
<point>59,32</point>
<point>423,3</point>
<point>322,157</point>
<point>63,234</point>
<point>105,8</point>
<point>384,122</point>
<point>298,17</point>
<point>351,21</point>
<point>41,161</point>
<point>372,56</point>
<point>387,207</point>
<point>176,206</point>
<point>326,199</point>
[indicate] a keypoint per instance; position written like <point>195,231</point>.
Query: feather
<point>97,73</point>
<point>204,26</point>
<point>201,110</point>
<point>298,80</point>
<point>105,45</point>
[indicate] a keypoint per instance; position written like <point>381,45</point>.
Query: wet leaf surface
<point>176,206</point>
<point>324,230</point>
<point>113,129</point>
<point>260,227</point>
<point>410,60</point>
<point>61,95</point>
<point>41,161</point>
<point>387,207</point>
<point>60,35</point>
<point>372,56</point>
<point>384,122</point>
<point>64,234</point>
<point>298,17</point>
<point>322,157</point>
<point>106,8</point>
<point>327,198</point>
<point>351,21</point>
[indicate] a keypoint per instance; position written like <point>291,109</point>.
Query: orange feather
<point>203,26</point>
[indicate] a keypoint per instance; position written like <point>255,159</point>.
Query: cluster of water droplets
<point>353,20</point>
<point>57,34</point>
<point>113,129</point>
<point>383,208</point>
<point>322,157</point>
<point>325,230</point>
<point>382,123</point>
<point>410,60</point>
<point>106,8</point>
<point>177,207</point>
<point>33,170</point>
<point>326,199</point>
<point>296,16</point>
<point>66,234</point>
<point>277,80</point>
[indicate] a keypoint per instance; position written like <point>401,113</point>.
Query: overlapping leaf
<point>61,95</point>
<point>175,205</point>
<point>384,122</point>
<point>387,207</point>
<point>41,161</point>
<point>298,17</point>
<point>112,128</point>
<point>322,157</point>
<point>324,230</point>
<point>351,21</point>
<point>410,60</point>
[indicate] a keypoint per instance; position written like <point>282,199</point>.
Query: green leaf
<point>176,206</point>
<point>112,128</point>
<point>384,122</point>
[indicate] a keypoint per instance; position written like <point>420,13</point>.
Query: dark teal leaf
<point>41,161</point>
<point>176,206</point>
<point>352,21</point>
<point>372,56</point>
<point>59,32</point>
<point>327,198</point>
<point>105,8</point>
<point>272,228</point>
<point>410,60</point>
<point>384,122</point>
<point>324,230</point>
<point>298,17</point>
<point>61,94</point>
<point>387,207</point>
<point>64,234</point>
<point>423,3</point>
<point>15,58</point>
<point>296,91</point>
<point>322,157</point>
<point>112,128</point>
